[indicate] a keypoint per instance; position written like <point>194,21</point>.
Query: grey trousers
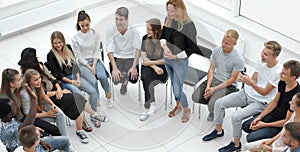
<point>199,92</point>
<point>250,106</point>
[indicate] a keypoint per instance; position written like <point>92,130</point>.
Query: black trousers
<point>150,79</point>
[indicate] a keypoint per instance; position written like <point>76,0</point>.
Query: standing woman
<point>86,46</point>
<point>71,104</point>
<point>64,67</point>
<point>153,69</point>
<point>180,34</point>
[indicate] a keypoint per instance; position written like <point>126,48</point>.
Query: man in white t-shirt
<point>259,90</point>
<point>123,49</point>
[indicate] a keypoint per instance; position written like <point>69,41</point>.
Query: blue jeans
<point>56,142</point>
<point>262,133</point>
<point>59,120</point>
<point>177,70</point>
<point>101,74</point>
<point>87,85</point>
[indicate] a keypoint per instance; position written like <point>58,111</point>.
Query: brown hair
<point>156,29</point>
<point>8,76</point>
<point>27,136</point>
<point>294,130</point>
<point>294,67</point>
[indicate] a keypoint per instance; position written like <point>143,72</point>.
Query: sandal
<point>86,126</point>
<point>175,111</point>
<point>186,115</point>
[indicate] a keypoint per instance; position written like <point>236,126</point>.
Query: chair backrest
<point>193,76</point>
<point>102,51</point>
<point>243,84</point>
<point>102,58</point>
<point>206,52</point>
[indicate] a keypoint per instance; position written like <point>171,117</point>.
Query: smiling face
<point>121,22</point>
<point>172,12</point>
<point>84,25</point>
<point>293,103</point>
<point>35,81</point>
<point>285,74</point>
<point>267,55</point>
<point>58,44</point>
<point>149,30</point>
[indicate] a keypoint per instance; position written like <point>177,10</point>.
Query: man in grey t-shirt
<point>226,63</point>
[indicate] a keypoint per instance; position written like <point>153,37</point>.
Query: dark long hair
<point>156,29</point>
<point>81,17</point>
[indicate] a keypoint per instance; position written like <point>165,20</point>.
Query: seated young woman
<point>71,104</point>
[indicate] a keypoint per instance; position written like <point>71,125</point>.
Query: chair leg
<point>193,110</point>
<point>166,96</point>
<point>112,89</point>
<point>139,91</point>
<point>199,111</point>
<point>171,92</point>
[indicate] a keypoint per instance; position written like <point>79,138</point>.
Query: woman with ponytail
<point>86,46</point>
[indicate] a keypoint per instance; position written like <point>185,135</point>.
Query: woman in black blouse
<point>180,34</point>
<point>63,66</point>
<point>153,69</point>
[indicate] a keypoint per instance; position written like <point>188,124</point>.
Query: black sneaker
<point>82,136</point>
<point>231,148</point>
<point>213,135</point>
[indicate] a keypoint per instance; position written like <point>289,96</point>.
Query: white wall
<point>282,16</point>
<point>17,15</point>
<point>254,34</point>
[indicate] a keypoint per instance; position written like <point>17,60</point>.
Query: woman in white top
<point>86,45</point>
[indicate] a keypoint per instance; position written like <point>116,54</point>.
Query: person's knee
<point>218,104</point>
<point>235,118</point>
<point>196,97</point>
<point>246,127</point>
<point>251,137</point>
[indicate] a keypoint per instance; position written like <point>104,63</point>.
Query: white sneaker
<point>109,103</point>
<point>144,115</point>
<point>151,110</point>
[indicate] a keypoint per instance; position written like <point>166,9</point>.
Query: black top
<point>55,69</point>
<point>183,40</point>
<point>153,49</point>
<point>283,106</point>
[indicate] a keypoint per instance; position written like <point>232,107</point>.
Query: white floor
<point>124,131</point>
